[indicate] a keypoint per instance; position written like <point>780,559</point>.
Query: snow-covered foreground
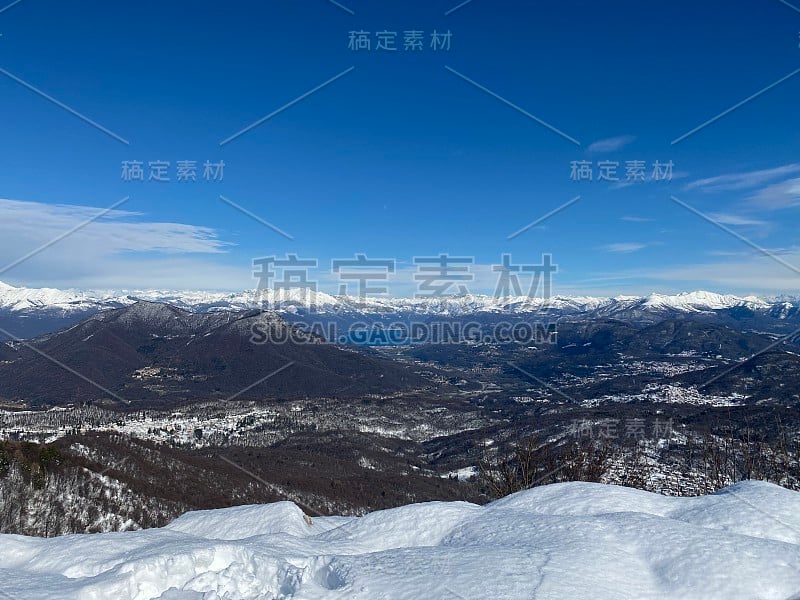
<point>571,540</point>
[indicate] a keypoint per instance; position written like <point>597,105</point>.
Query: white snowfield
<point>563,541</point>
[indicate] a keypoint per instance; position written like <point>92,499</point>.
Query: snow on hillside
<point>16,299</point>
<point>569,540</point>
<point>694,301</point>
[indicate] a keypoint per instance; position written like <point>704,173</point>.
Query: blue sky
<point>401,156</point>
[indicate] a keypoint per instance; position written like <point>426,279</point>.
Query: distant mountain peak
<point>700,300</point>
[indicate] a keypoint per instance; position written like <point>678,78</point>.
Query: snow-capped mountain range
<point>20,299</point>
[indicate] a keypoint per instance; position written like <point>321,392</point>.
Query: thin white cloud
<point>635,219</point>
<point>785,194</point>
<point>650,180</point>
<point>162,273</point>
<point>26,222</point>
<point>611,144</point>
<point>756,273</point>
<point>735,219</point>
<point>738,273</point>
<point>744,180</point>
<point>624,247</point>
<point>119,250</point>
<point>728,253</point>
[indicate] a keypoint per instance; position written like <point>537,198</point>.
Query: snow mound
<point>241,522</point>
<point>571,540</point>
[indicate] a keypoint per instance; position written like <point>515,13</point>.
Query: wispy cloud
<point>120,249</point>
<point>736,272</point>
<point>651,181</point>
<point>735,219</point>
<point>117,231</point>
<point>624,247</point>
<point>785,194</point>
<point>738,253</point>
<point>747,274</point>
<point>611,144</point>
<point>635,219</point>
<point>743,180</point>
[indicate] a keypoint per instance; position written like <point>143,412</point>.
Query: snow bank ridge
<point>570,540</point>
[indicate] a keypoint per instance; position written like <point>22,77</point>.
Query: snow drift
<point>570,540</point>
